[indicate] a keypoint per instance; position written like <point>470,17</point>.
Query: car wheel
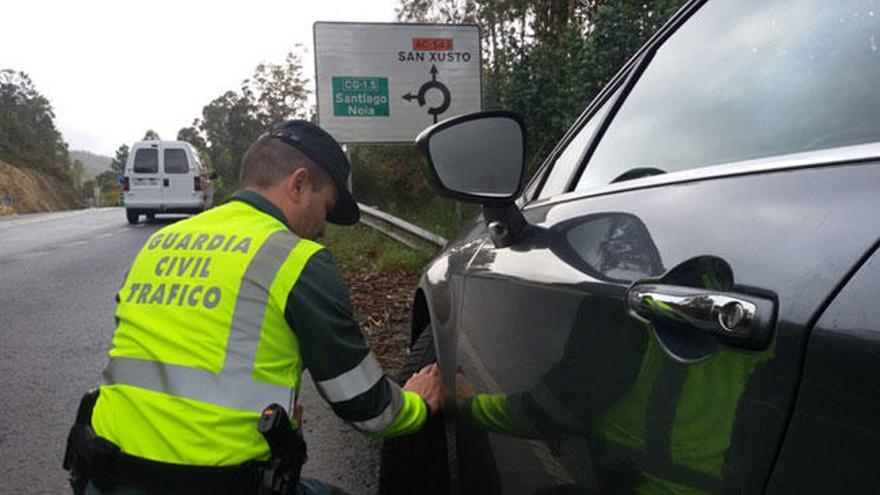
<point>132,216</point>
<point>416,463</point>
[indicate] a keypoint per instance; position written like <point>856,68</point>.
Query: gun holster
<point>288,449</point>
<point>85,450</point>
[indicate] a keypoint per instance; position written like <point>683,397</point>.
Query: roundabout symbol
<point>423,90</point>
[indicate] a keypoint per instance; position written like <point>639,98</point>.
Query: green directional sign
<point>360,96</point>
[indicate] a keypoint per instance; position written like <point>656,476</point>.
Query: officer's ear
<point>297,184</point>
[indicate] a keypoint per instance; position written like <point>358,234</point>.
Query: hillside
<point>33,191</point>
<point>93,163</point>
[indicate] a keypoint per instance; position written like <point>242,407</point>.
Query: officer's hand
<point>464,390</point>
<point>426,383</point>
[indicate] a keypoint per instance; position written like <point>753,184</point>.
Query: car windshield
<point>749,79</point>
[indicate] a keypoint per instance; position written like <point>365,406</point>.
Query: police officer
<point>217,318</point>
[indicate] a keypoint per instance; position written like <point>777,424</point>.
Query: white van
<point>165,177</point>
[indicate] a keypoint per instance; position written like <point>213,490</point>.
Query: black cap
<point>315,143</point>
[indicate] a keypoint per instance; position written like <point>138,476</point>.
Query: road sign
<point>384,83</point>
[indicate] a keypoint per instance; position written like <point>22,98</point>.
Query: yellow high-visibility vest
<point>202,344</point>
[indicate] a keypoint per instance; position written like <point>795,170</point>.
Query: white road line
<point>30,218</point>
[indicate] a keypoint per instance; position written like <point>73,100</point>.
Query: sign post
<point>384,83</point>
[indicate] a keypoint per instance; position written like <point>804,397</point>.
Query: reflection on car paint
<point>687,451</point>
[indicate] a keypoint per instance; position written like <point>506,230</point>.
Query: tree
<point>28,136</point>
<point>193,136</point>
<point>151,135</point>
<point>235,119</point>
<point>87,191</point>
<point>76,173</point>
<point>118,163</point>
<point>108,186</point>
<point>230,125</point>
<point>280,90</point>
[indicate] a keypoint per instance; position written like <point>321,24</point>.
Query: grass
<point>438,215</point>
<point>360,248</point>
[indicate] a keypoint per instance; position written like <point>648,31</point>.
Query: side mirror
<point>480,158</point>
<point>477,158</point>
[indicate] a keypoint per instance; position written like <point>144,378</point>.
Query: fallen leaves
<point>382,303</point>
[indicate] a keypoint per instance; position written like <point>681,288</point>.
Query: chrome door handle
<point>739,320</point>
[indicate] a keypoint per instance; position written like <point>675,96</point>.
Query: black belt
<point>124,469</point>
<point>92,458</point>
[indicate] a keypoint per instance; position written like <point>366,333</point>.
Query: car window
<point>146,161</point>
<point>566,164</point>
<point>748,79</point>
<point>175,161</point>
<point>196,160</point>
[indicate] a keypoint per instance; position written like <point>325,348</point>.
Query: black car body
<point>693,303</point>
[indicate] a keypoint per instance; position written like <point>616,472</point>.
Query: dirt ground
<point>383,306</point>
<point>33,191</point>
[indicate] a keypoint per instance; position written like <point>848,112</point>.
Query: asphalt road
<point>58,276</point>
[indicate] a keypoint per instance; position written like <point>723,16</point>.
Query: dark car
<point>686,296</point>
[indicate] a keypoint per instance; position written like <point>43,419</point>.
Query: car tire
<point>132,216</point>
<point>416,463</point>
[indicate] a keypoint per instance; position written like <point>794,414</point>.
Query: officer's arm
<point>491,412</point>
<point>344,369</point>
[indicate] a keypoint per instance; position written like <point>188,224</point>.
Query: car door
<point>178,179</point>
<point>648,334</point>
<point>831,445</point>
<point>146,179</point>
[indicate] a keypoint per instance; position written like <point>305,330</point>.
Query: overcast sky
<point>113,69</point>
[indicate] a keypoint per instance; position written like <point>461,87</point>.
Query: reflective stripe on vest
<point>353,382</point>
<point>386,417</point>
<point>356,381</point>
<point>233,387</point>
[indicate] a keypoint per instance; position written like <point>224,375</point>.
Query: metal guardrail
<point>400,230</point>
